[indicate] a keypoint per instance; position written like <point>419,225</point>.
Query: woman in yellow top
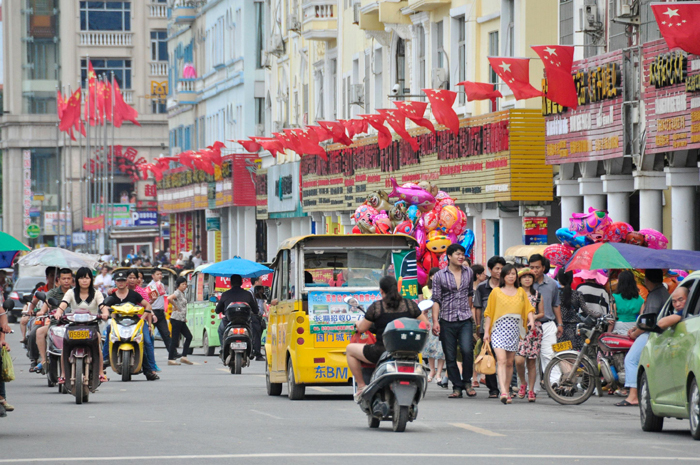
<point>508,315</point>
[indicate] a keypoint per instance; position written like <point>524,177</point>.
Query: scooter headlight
<point>126,332</point>
<point>59,331</point>
<point>113,337</point>
<point>138,338</point>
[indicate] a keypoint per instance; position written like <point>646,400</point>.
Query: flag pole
<point>105,82</point>
<point>88,165</point>
<point>58,177</point>
<point>113,161</point>
<point>98,137</point>
<point>70,178</point>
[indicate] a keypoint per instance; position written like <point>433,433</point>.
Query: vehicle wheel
<point>295,391</point>
<point>79,386</point>
<point>400,417</point>
<point>273,389</point>
<point>126,366</point>
<point>575,391</point>
<point>52,373</point>
<point>237,363</point>
<point>205,345</point>
<point>650,422</point>
<point>694,409</point>
<point>372,422</point>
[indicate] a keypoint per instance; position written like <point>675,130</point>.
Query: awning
<point>524,250</point>
<point>134,233</point>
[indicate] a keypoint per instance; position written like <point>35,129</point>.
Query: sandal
<point>61,380</point>
<point>430,379</point>
<point>624,403</point>
<point>456,394</point>
<point>509,400</point>
<point>475,384</point>
<point>471,392</point>
<point>504,398</point>
<point>103,378</point>
<point>531,396</point>
<point>522,391</point>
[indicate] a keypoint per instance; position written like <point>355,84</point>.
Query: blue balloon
<point>413,213</point>
<point>468,241</point>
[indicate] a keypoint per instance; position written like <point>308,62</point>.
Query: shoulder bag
<point>485,362</point>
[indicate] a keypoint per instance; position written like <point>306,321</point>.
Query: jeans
<point>162,325</point>
<point>179,327</point>
<point>105,346</point>
<point>549,337</point>
<point>632,360</point>
<point>453,333</point>
<point>222,326</point>
<point>31,343</point>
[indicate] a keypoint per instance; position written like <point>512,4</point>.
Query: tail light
<point>300,341</point>
<point>406,369</point>
<point>300,330</point>
<point>14,296</point>
<point>238,331</point>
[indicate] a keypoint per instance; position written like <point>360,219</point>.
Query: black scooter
<point>398,382</point>
<point>237,347</point>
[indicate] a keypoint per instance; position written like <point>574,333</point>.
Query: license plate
<point>239,345</point>
<point>562,346</point>
<point>82,334</point>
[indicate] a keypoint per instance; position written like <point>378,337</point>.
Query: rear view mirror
<point>26,298</point>
<point>53,302</point>
<point>40,295</point>
<point>424,305</point>
<point>647,322</point>
<point>8,305</point>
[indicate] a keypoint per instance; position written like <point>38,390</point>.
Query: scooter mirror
<point>213,299</point>
<point>8,305</point>
<point>53,302</point>
<point>425,305</point>
<point>40,295</point>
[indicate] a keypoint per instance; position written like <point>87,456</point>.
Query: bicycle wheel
<point>568,383</point>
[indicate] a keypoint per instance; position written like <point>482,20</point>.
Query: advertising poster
<point>534,230</point>
<point>406,272</point>
<point>334,312</point>
<point>190,233</point>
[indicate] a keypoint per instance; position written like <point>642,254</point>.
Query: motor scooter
<point>126,340</point>
<point>398,381</point>
<point>237,348</point>
<point>54,351</point>
<point>81,355</point>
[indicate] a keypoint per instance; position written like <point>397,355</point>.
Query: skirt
<point>530,346</point>
<point>506,334</point>
<point>433,349</point>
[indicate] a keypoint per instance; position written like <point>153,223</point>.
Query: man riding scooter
<point>50,284</point>
<point>65,280</point>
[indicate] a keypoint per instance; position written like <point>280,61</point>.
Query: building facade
<point>631,147</point>
<point>49,43</point>
<point>337,59</point>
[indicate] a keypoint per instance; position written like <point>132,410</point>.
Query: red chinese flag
<point>249,145</point>
<point>515,72</point>
<point>215,153</point>
<point>383,133</point>
<point>323,134</point>
<point>480,91</point>
<point>203,164</point>
<point>70,113</point>
<point>679,24</point>
<point>338,130</point>
<point>397,121</point>
<point>309,142</point>
<point>163,163</point>
<point>270,144</point>
<point>558,60</point>
<point>441,103</point>
<point>60,104</point>
<point>91,100</point>
<point>187,159</point>
<point>122,111</point>
<point>415,111</point>
<point>105,102</point>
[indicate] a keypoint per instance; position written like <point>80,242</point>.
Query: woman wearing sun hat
<point>529,348</point>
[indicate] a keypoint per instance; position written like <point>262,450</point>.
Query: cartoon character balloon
<point>405,227</point>
<point>617,231</point>
<point>413,213</point>
<point>636,238</point>
<point>382,223</point>
<point>413,195</point>
<point>468,241</point>
<point>558,254</point>
<point>569,237</point>
<point>379,200</point>
<point>364,212</point>
<point>447,218</point>
<point>437,242</point>
<point>591,224</point>
<point>430,220</point>
<point>654,239</point>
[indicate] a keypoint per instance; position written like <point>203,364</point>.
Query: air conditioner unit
<point>440,78</point>
<point>623,8</point>
<point>357,94</point>
<point>356,13</point>
<point>259,130</point>
<point>276,45</point>
<point>588,18</point>
<point>293,23</point>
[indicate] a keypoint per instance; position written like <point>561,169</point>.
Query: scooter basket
<point>238,313</point>
<point>405,335</point>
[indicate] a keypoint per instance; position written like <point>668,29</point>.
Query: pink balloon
<point>654,238</point>
<point>558,254</point>
<point>617,231</point>
<point>420,237</point>
<point>413,195</point>
<point>443,262</point>
<point>430,220</point>
<point>404,227</point>
<point>422,275</point>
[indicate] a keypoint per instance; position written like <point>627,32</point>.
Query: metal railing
<point>106,39</point>
<point>158,10</point>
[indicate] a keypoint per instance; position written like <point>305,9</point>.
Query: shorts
<point>372,352</point>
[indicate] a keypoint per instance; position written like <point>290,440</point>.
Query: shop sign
<point>261,195</point>
<point>495,157</point>
<point>146,190</point>
<point>214,224</point>
<point>244,171</point>
<point>283,189</point>
<point>55,223</point>
<point>534,230</point>
<point>79,238</point>
<point>330,313</point>
<point>27,190</point>
<point>671,102</point>
<point>32,231</point>
<point>594,130</point>
<point>119,214</point>
<point>148,218</point>
<point>184,190</point>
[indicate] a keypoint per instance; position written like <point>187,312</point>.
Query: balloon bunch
<point>422,211</point>
<point>597,226</point>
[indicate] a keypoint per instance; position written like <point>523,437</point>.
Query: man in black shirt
<point>235,294</point>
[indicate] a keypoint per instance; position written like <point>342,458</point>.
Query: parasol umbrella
<point>56,256</point>
<point>614,255</point>
<point>240,266</point>
<point>9,246</point>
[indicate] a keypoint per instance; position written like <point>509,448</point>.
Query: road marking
<point>321,389</point>
<point>266,414</point>
<point>476,429</point>
<point>223,369</point>
<point>345,455</point>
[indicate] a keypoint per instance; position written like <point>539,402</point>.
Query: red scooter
<point>571,376</point>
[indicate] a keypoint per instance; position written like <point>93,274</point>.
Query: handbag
<point>8,371</point>
<point>485,362</point>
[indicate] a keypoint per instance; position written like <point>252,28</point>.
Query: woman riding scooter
<point>382,312</point>
<point>83,297</point>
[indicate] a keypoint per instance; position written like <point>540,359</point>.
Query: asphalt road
<point>203,414</point>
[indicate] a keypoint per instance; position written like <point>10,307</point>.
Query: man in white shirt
<point>197,259</point>
<point>104,282</point>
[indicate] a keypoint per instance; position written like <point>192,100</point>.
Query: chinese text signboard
<point>338,311</point>
<point>261,195</point>
<point>26,189</point>
<point>671,98</point>
<point>534,230</point>
<point>594,130</point>
<point>183,189</point>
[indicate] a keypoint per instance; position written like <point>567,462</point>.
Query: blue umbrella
<point>240,266</point>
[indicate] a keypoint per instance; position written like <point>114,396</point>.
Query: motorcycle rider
<point>121,295</point>
<point>50,284</point>
<point>235,294</point>
<point>65,281</point>
<point>382,312</point>
<point>4,328</point>
<point>83,296</point>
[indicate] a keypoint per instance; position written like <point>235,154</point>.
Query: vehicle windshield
<point>347,268</point>
<point>27,283</point>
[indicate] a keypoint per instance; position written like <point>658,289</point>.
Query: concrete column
<point>571,201</point>
<point>511,232</point>
<point>618,188</point>
<point>683,210</point>
<point>272,240</point>
<point>650,184</point>
<point>592,191</point>
<point>344,220</point>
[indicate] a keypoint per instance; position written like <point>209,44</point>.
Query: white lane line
<point>266,414</point>
<point>321,389</point>
<point>346,455</point>
<point>476,429</point>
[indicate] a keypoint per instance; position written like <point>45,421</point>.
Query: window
<point>319,95</point>
<point>509,25</point>
<point>259,41</point>
<point>440,29</point>
<point>401,66</point>
<point>334,89</point>
<point>461,56</point>
<point>260,109</point>
<point>159,46</point>
<point>493,52</point>
<point>421,57</point>
<point>348,268</point>
<point>649,27</point>
<point>105,16</point>
<point>158,106</point>
<point>566,22</point>
<point>44,171</point>
<point>366,81</point>
<point>378,98</point>
<point>121,69</point>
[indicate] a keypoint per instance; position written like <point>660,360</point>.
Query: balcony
<point>369,16</point>
<point>158,10</point>
<point>427,5</point>
<point>106,39</point>
<point>158,68</point>
<point>185,11</point>
<point>128,96</point>
<point>320,21</point>
<point>186,91</point>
